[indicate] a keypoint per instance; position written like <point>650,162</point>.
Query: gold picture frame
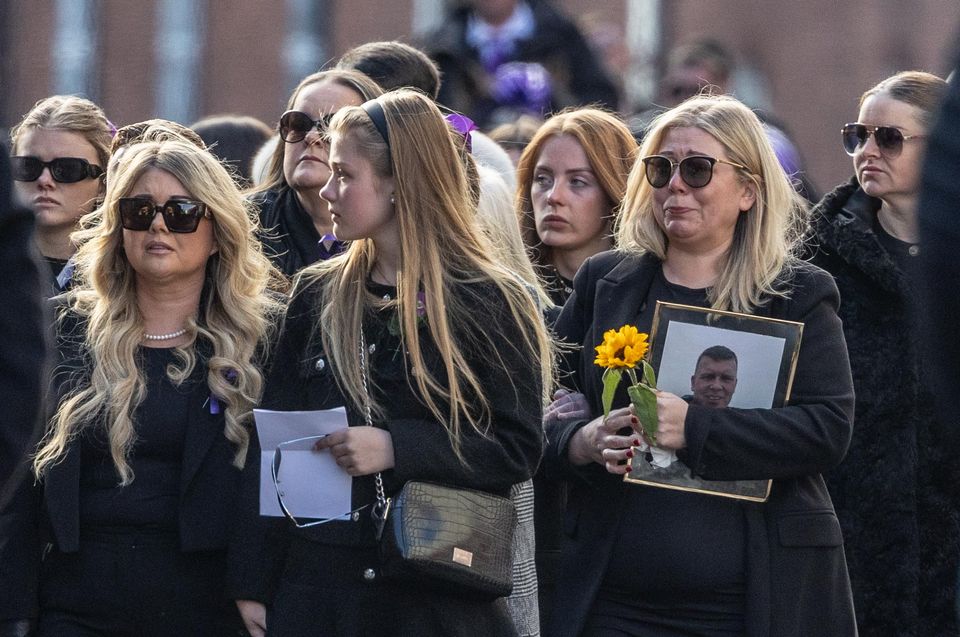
<point>690,350</point>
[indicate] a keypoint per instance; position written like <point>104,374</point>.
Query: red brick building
<point>184,59</point>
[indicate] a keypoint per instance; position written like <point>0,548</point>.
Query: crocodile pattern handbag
<point>439,535</point>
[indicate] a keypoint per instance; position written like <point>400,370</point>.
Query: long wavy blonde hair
<point>236,314</point>
<point>766,237</point>
<point>442,250</point>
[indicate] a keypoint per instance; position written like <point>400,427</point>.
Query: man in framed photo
<point>715,377</point>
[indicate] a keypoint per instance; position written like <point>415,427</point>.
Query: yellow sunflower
<point>622,349</point>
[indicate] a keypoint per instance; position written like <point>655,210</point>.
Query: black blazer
<point>49,512</point>
<point>797,582</point>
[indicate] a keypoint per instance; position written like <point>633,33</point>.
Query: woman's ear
<point>749,195</point>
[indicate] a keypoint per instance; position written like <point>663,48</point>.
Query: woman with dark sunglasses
<point>297,229</point>
<point>709,219</point>
<point>898,510</point>
<point>60,151</point>
<point>159,348</point>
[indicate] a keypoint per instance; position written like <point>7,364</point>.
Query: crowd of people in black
<point>445,276</point>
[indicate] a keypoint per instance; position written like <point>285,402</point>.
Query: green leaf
<point>644,401</point>
<point>611,379</point>
<point>648,375</point>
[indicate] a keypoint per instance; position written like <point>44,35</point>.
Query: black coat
<point>288,234</point>
<point>301,378</point>
<point>576,75</point>
<point>50,512</point>
<point>896,492</point>
<point>796,577</point>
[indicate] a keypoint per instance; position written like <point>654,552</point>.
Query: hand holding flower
<point>621,350</point>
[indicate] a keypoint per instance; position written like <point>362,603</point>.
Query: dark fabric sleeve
<point>939,269</point>
<point>811,434</point>
<point>589,81</point>
<point>570,329</point>
<point>24,339</point>
<point>511,451</point>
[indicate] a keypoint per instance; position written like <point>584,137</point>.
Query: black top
<point>289,236</point>
<point>691,579</point>
<point>558,286</point>
<point>152,499</point>
<point>903,253</point>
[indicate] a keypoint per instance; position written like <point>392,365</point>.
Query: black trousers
<point>135,585</point>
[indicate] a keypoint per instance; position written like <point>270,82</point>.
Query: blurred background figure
<point>22,347</point>
<point>570,181</point>
<point>234,140</point>
<point>501,58</point>
<point>939,272</point>
<point>295,221</point>
<point>514,136</point>
<point>394,64</point>
<point>706,66</point>
<point>895,492</point>
<point>60,151</point>
<point>22,357</point>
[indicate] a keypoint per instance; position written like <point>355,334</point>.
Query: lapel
<point>202,431</point>
<point>617,301</point>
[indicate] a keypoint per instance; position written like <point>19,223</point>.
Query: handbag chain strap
<point>380,509</point>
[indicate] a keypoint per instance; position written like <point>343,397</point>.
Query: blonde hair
<point>609,147</point>
<point>442,248</point>
<point>356,81</point>
<point>765,238</point>
<point>499,222</point>
<point>235,315</point>
<point>71,114</point>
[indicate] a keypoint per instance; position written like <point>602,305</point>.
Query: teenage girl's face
<point>57,206</point>
<point>305,163</point>
<point>359,199</point>
<point>570,208</point>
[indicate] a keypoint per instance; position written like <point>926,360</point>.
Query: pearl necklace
<point>164,337</point>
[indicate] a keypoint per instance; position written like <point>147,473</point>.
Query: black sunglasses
<point>294,125</point>
<point>696,170</point>
<point>65,170</point>
<point>179,215</point>
<point>889,139</point>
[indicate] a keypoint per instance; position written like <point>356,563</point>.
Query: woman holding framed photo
<point>710,220</point>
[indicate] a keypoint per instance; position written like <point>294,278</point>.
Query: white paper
<point>312,484</point>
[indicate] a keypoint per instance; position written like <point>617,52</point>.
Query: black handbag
<point>444,536</point>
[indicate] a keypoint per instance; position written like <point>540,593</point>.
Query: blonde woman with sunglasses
<point>898,510</point>
<point>709,219</point>
<point>159,349</point>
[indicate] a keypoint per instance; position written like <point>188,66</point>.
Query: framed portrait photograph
<point>719,360</point>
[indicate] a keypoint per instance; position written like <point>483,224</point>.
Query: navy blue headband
<point>375,111</point>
